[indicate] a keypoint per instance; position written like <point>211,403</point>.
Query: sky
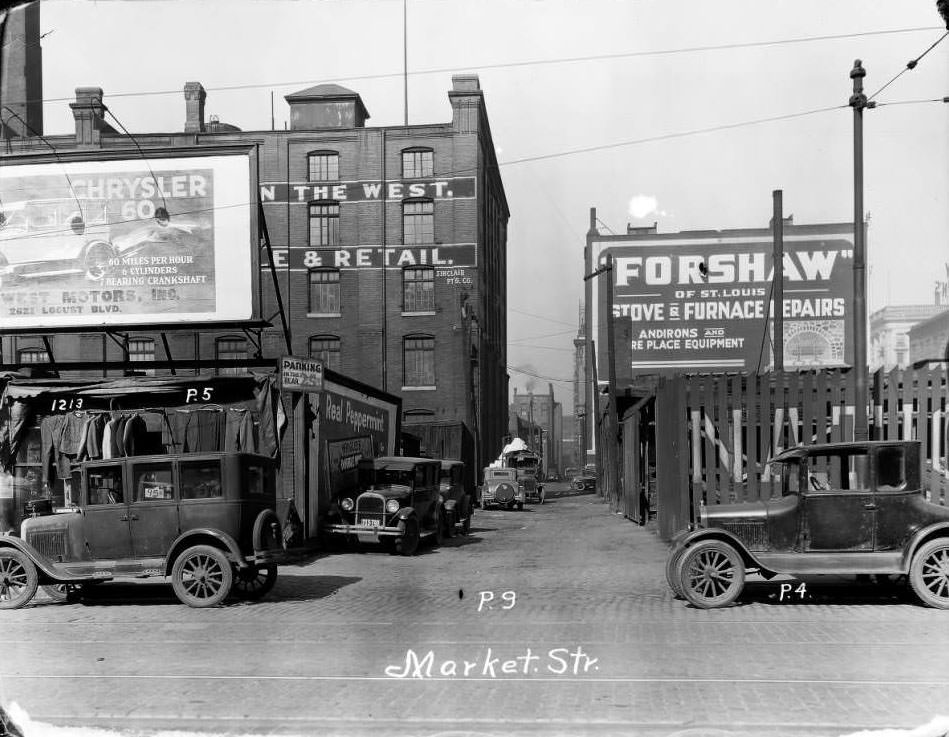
<point>636,80</point>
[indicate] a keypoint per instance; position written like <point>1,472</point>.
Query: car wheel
<point>520,506</point>
<point>543,496</point>
<point>202,576</point>
<point>63,592</point>
<point>408,543</point>
<point>672,573</point>
<point>466,525</point>
<point>929,573</point>
<point>450,529</point>
<point>711,574</point>
<point>254,582</point>
<point>18,579</point>
<point>96,260</point>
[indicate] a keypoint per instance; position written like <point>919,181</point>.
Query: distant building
<point>929,339</point>
<point>542,416</point>
<point>890,334</point>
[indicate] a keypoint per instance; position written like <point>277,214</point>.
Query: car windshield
<point>387,478</point>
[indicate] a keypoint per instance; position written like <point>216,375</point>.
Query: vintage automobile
<point>527,464</point>
<point>207,521</point>
<point>502,488</point>
<point>398,502</point>
<point>457,501</point>
<point>847,509</point>
<point>48,237</point>
<point>584,481</point>
<point>78,235</point>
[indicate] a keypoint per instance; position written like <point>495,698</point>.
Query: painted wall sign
<point>301,374</point>
<point>372,257</point>
<point>127,242</point>
<point>342,462</point>
<point>345,413</point>
<point>303,192</point>
<point>702,304</point>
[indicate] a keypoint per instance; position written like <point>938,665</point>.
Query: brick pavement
<point>312,656</point>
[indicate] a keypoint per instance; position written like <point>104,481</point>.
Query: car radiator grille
<point>51,544</point>
<point>753,534</point>
<point>370,506</point>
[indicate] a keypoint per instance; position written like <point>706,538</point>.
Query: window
<point>33,355</point>
<point>200,480</point>
<point>228,349</point>
<point>418,163</point>
<point>843,471</point>
<point>105,485</point>
<point>326,348</point>
<point>418,289</point>
<point>324,292</point>
<point>153,482</point>
<point>142,349</point>
<point>324,224</point>
<point>418,361</point>
<point>418,222</point>
<point>323,166</point>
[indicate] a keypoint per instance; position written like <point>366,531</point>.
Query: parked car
<point>847,509</point>
<point>457,501</point>
<point>583,482</point>
<point>398,502</point>
<point>502,488</point>
<point>205,521</point>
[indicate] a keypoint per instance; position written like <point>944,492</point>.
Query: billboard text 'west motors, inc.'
<point>705,303</point>
<point>126,241</point>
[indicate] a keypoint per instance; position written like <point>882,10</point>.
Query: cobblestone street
<point>590,642</point>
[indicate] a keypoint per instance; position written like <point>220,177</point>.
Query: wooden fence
<point>716,434</point>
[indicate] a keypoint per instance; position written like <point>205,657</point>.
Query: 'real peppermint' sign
<point>706,303</point>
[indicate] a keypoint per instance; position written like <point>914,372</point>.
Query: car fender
<point>684,540</point>
<point>199,536</point>
<point>46,567</point>
<point>938,529</point>
<point>450,504</point>
<point>405,513</point>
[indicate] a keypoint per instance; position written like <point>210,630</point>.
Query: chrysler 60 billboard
<point>705,303</point>
<point>131,241</point>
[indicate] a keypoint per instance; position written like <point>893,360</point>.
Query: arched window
<point>228,348</point>
<point>418,361</point>
<point>324,223</point>
<point>418,222</point>
<point>324,292</point>
<point>418,289</point>
<point>322,166</point>
<point>326,348</point>
<point>417,163</point>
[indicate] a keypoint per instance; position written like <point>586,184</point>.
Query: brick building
<point>544,415</point>
<point>389,248</point>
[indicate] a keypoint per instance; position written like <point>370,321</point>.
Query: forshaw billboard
<point>126,241</point>
<point>703,303</point>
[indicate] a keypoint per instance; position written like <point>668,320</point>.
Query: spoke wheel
<point>202,576</point>
<point>254,583</point>
<point>711,574</point>
<point>929,573</point>
<point>18,579</point>
<point>672,573</point>
<point>97,260</point>
<point>408,543</point>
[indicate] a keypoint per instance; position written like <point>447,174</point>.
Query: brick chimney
<point>21,72</point>
<point>467,102</point>
<point>89,113</point>
<point>194,107</point>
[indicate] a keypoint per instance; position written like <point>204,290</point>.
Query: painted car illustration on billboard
<point>67,236</point>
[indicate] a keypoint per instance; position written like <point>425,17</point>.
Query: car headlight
<point>347,504</point>
<point>392,506</point>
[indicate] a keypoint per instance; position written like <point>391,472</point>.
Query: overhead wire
<point>515,64</point>
<point>910,65</point>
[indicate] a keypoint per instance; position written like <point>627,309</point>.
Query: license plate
<point>370,523</point>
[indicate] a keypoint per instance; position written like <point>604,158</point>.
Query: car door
<point>896,488</point>
<point>106,511</point>
<point>838,504</point>
<point>154,508</point>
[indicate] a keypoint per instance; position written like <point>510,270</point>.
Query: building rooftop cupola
<point>326,106</point>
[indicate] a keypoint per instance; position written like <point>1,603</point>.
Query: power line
<point>539,317</point>
<point>515,64</point>
<point>549,335</point>
<point>910,65</point>
<point>539,376</point>
<point>668,136</point>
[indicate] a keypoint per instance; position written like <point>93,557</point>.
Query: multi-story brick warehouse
<point>389,248</point>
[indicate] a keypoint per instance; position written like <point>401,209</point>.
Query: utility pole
<point>858,101</point>
<point>777,228</point>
